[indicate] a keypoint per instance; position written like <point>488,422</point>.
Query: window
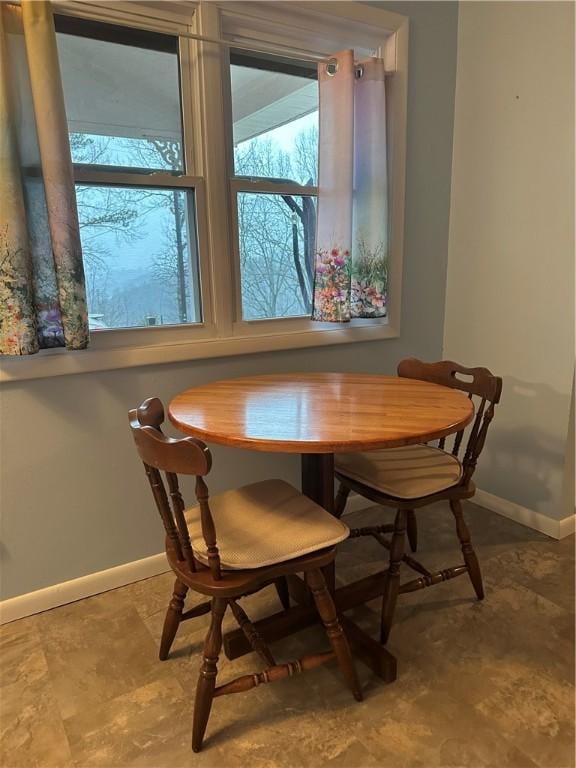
<point>139,251</point>
<point>196,173</point>
<point>139,244</point>
<point>275,133</point>
<point>274,105</point>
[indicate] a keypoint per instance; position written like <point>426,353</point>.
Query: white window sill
<point>60,362</point>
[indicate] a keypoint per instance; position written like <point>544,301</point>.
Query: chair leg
<point>393,576</point>
<point>329,573</point>
<point>283,592</point>
<point>412,530</point>
<point>469,555</point>
<point>208,672</point>
<point>327,612</point>
<point>172,620</point>
<point>340,500</point>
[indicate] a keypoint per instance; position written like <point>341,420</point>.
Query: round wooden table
<point>317,415</point>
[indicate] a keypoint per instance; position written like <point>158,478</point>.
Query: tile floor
<point>480,684</point>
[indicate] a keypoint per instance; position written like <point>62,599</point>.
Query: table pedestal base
<point>285,623</point>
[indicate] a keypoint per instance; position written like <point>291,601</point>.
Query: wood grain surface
<point>320,412</point>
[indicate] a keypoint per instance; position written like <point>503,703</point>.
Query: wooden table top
<point>319,412</point>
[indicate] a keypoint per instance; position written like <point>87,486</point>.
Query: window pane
<point>140,255</point>
<point>276,239</point>
<point>275,116</point>
<point>122,102</point>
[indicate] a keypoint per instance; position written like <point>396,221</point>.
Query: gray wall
<point>510,288</point>
<point>73,495</point>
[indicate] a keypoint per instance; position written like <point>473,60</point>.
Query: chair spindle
<point>272,674</point>
<point>161,499</point>
<point>475,449</point>
<point>459,436</point>
<point>476,427</point>
<point>208,528</point>
<point>178,509</point>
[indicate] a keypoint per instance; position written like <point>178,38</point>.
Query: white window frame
<point>319,28</point>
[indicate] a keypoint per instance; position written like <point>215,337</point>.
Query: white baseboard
<point>119,576</point>
<point>556,529</point>
<point>77,589</point>
<point>567,526</point>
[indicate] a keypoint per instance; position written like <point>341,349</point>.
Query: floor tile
<point>31,729</point>
<point>96,649</point>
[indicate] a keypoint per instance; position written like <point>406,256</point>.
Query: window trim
<point>319,26</point>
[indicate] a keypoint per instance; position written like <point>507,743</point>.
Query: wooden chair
<point>411,477</point>
<point>266,531</point>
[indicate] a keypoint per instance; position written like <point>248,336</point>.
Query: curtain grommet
<point>331,67</point>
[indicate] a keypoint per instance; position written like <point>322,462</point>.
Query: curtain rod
<point>286,51</point>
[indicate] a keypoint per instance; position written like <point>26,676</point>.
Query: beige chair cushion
<point>408,472</point>
<point>263,524</point>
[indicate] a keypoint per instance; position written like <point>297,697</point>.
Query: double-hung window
<point>275,136</point>
<point>137,202</point>
<point>194,140</point>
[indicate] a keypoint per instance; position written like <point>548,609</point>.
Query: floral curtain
<point>42,293</point>
<point>351,264</point>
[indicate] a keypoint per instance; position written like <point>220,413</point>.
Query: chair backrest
<point>186,456</point>
<point>479,383</point>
